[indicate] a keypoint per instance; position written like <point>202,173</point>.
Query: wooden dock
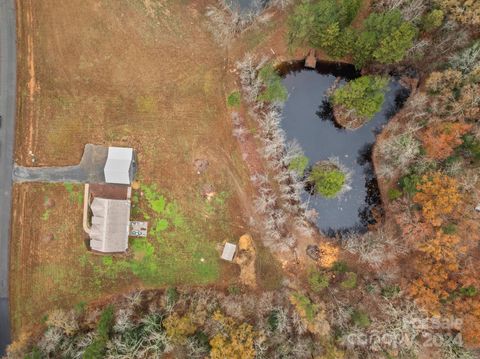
<point>311,60</point>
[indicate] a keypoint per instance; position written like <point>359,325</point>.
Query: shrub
<point>432,20</point>
<point>364,95</point>
<point>97,348</point>
<point>233,289</point>
<point>470,147</point>
<point>469,291</point>
<point>298,164</point>
<point>171,295</point>
<point>304,305</point>
<point>327,179</point>
<point>273,320</point>
<point>394,194</point>
<point>35,354</point>
<point>179,328</point>
<point>409,183</point>
<point>360,318</point>
<point>234,99</point>
<point>273,91</point>
<point>390,291</point>
<point>449,228</point>
<point>318,281</point>
<point>350,281</point>
<point>340,267</point>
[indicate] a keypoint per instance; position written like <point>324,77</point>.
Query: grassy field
<point>128,73</point>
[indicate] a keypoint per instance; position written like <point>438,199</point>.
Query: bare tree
<point>374,247</point>
<point>468,59</point>
<point>410,9</point>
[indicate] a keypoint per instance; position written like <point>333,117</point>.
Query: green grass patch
<point>273,91</point>
<point>75,192</point>
<point>175,251</point>
<point>234,99</point>
<point>350,281</point>
<point>46,214</point>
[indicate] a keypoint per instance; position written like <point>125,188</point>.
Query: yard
<point>116,73</point>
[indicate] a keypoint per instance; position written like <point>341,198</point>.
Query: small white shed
<point>229,251</point>
<point>119,167</point>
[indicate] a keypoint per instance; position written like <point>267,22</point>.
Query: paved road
<point>8,68</point>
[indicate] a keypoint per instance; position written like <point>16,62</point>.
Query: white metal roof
<point>110,225</point>
<point>229,251</point>
<point>117,167</point>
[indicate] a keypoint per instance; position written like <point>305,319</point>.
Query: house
<point>110,225</point>
<point>120,165</point>
<point>106,213</point>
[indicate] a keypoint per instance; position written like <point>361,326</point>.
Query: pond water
<point>246,5</point>
<point>307,118</point>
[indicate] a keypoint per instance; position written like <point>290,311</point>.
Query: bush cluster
<point>364,96</point>
<point>328,180</point>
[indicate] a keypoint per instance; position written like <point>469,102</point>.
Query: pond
<point>247,5</point>
<point>308,119</point>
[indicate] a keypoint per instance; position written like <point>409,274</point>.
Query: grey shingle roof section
<point>110,225</point>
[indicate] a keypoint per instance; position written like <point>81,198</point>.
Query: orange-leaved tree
<point>468,308</point>
<point>437,260</point>
<point>439,197</point>
<point>233,341</point>
<point>440,139</point>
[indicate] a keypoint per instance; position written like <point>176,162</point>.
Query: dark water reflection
<point>308,118</point>
<point>247,5</point>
